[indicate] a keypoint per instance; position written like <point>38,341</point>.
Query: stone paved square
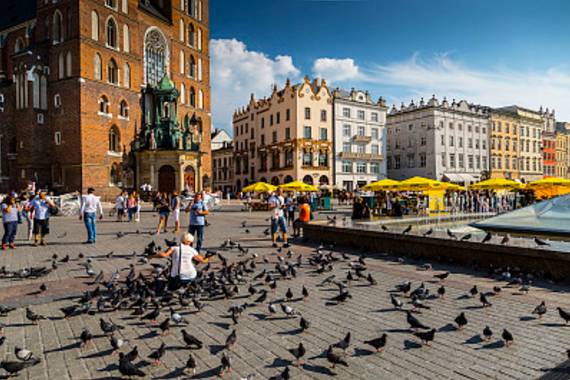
<point>263,340</point>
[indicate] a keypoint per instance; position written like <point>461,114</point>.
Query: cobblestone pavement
<point>539,347</point>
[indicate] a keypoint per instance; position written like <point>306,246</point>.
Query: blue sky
<point>491,52</point>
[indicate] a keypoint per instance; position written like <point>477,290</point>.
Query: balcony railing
<point>361,156</point>
<point>361,139</point>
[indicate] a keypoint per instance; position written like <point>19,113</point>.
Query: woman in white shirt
<point>183,256</point>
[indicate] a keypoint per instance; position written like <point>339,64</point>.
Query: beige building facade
<point>285,137</point>
<point>504,144</point>
<point>563,150</point>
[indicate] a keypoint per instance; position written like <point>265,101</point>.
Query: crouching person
<point>183,257</point>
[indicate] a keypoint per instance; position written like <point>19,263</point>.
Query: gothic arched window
<point>112,72</point>
<point>155,56</point>
<point>97,71</point>
<point>111,33</point>
<point>57,27</point>
<point>114,139</point>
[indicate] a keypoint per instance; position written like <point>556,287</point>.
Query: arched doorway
<point>166,179</point>
<point>308,179</point>
<point>189,179</point>
<point>288,179</point>
<point>275,181</point>
<point>324,180</point>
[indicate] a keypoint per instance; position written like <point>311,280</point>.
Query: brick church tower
<point>74,80</point>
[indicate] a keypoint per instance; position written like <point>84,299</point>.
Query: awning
<point>460,178</point>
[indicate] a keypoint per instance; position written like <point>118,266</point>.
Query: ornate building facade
<point>80,91</point>
<point>359,139</point>
<point>439,140</point>
<point>504,144</point>
<point>285,137</point>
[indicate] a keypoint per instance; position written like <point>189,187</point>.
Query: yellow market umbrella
<point>549,182</point>
<point>259,187</point>
<point>452,186</point>
<point>384,184</point>
<point>496,184</point>
<point>421,184</point>
<point>298,186</point>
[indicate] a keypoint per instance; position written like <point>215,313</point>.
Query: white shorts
<point>176,214</point>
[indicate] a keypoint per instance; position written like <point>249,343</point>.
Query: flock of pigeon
<point>144,294</point>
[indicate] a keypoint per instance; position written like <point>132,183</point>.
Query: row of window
<point>511,163</point>
<point>456,161</point>
<point>191,35</point>
<point>360,148</point>
<point>112,71</point>
<point>193,101</point>
<point>192,8</point>
<point>360,114</point>
<point>105,107</point>
<point>524,131</point>
<point>526,145</point>
<point>308,115</point>
<point>361,167</point>
<point>111,32</point>
<point>194,67</point>
<point>273,119</point>
<point>470,141</point>
<point>360,131</point>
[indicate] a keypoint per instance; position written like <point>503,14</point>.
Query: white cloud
<point>336,70</point>
<point>444,76</point>
<point>237,72</point>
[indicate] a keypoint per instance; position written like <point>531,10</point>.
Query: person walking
<point>175,206</point>
<point>183,256</point>
<point>304,216</point>
<point>90,207</point>
<point>138,202</point>
<point>163,213</point>
<point>10,210</point>
<point>40,207</point>
<point>276,205</point>
<point>120,205</point>
<point>198,211</point>
<point>131,206</point>
<point>291,206</point>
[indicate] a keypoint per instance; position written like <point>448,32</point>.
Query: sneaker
<point>12,245</point>
<point>4,247</point>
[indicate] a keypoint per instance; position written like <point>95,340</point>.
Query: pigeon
<point>288,310</point>
<point>487,238</point>
<point>507,337</point>
<point>133,354</point>
<point>191,364</point>
<point>465,237</point>
<point>414,322</point>
<point>487,333</point>
<point>33,317</point>
<point>484,301</point>
<point>336,358</point>
<point>262,297</point>
<point>451,234</point>
<point>344,343</point>
<point>86,337</point>
<point>191,341</point>
<point>540,310</point>
<point>109,327</point>
<point>461,321</point>
<point>441,276</point>
<point>304,324</point>
<point>116,343</point>
<point>298,352</point>
<point>426,336</point>
<point>441,291</point>
<point>176,317</point>
<point>23,354</point>
<point>407,229</point>
<point>164,326</point>
<point>158,353</point>
<point>226,362</point>
<point>126,368</point>
<point>342,297</point>
<point>473,291</point>
<point>428,232</point>
<point>378,343</point>
<point>289,294</point>
<point>231,340</point>
<point>563,314</point>
<point>4,310</point>
<point>384,227</point>
<point>540,242</point>
<point>153,315</point>
<point>371,280</point>
<point>305,293</point>
<point>14,367</point>
<point>43,288</point>
<point>505,240</point>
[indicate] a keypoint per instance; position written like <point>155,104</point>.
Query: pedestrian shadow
<point>475,339</point>
<point>410,345</point>
<point>318,369</point>
<point>491,346</point>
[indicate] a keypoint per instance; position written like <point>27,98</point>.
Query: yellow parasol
<point>453,187</point>
<point>421,184</point>
<point>549,187</point>
<point>496,184</point>
<point>298,186</point>
<point>384,184</point>
<point>259,187</point>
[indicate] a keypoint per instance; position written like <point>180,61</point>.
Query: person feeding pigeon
<point>182,269</point>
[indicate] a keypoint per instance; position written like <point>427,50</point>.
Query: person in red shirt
<point>304,216</point>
